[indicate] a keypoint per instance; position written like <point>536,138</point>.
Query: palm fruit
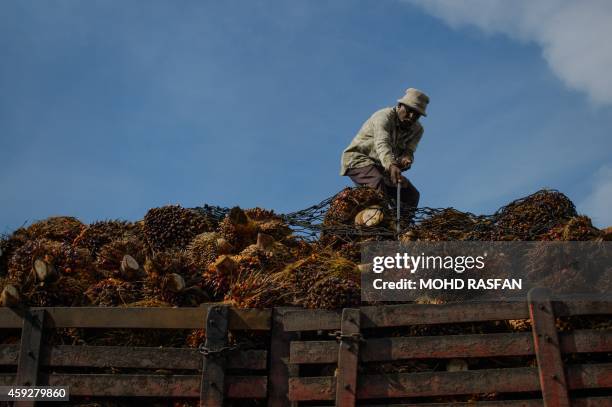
<point>21,262</point>
<point>66,291</point>
<point>349,202</point>
<point>112,292</point>
<point>173,227</point>
<point>350,251</point>
<point>305,273</point>
<point>195,338</point>
<point>257,290</point>
<point>101,233</point>
<point>169,271</point>
<point>449,224</point>
<point>259,214</point>
<point>607,234</point>
<point>566,281</point>
<point>10,296</point>
<point>219,275</point>
<point>526,218</point>
<point>238,229</point>
<point>338,266</point>
<point>299,248</point>
<point>111,255</point>
<point>204,249</point>
<point>278,229</point>
<point>8,245</point>
<point>333,293</point>
<point>577,228</point>
<point>58,228</point>
<point>547,264</point>
<point>338,223</point>
<point>269,223</point>
<point>519,325</point>
<point>172,261</point>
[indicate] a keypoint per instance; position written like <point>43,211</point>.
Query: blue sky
<point>109,108</point>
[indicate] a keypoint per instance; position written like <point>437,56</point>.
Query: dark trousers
<point>376,177</point>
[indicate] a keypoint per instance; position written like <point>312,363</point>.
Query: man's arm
<point>382,143</point>
<point>408,158</point>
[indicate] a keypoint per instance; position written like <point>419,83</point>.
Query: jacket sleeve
<point>412,145</point>
<point>382,142</point>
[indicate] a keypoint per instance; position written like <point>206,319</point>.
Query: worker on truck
<point>385,145</point>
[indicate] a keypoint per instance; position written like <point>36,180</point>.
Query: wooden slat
<point>348,358</point>
<point>154,318</point>
<point>407,314</point>
<point>581,402</point>
<point>30,352</point>
<point>547,349</point>
<point>134,357</point>
<point>30,348</point>
<point>465,346</point>
<point>213,369</point>
<point>510,380</point>
<point>280,369</point>
<point>428,314</point>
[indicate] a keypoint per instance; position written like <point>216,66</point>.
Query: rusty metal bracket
<point>547,349</point>
<point>348,357</point>
<point>30,351</point>
<point>212,389</point>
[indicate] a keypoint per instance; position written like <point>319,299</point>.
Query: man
<point>385,145</point>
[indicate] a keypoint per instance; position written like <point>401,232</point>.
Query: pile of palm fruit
<point>254,258</point>
<point>250,258</point>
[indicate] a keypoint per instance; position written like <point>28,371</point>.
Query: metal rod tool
<point>397,202</point>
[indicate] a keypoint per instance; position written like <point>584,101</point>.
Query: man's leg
<point>408,194</point>
<point>370,176</point>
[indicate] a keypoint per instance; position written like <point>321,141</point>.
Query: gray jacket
<point>381,141</point>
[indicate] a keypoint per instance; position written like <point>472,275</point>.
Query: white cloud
<point>574,35</point>
<point>597,205</point>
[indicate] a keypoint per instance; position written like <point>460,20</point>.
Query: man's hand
<point>396,173</point>
<point>405,163</point>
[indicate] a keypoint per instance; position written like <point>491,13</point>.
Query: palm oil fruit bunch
<point>22,261</point>
<point>100,233</point>
<point>238,229</point>
<point>333,293</point>
<point>349,202</point>
<point>206,247</point>
<point>269,223</point>
<point>578,228</point>
<point>260,214</point>
<point>170,277</point>
<point>111,292</point>
<point>66,291</point>
<point>218,277</point>
<point>528,217</point>
<point>449,224</point>
<point>58,228</point>
<point>255,290</point>
<point>122,257</point>
<point>173,227</point>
